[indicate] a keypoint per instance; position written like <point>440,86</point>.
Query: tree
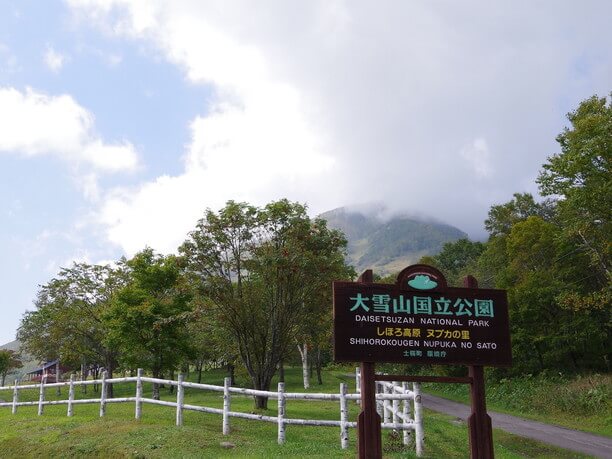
<point>147,318</point>
<point>209,340</point>
<point>490,266</point>
<point>67,322</point>
<point>456,257</point>
<point>580,177</point>
<point>314,331</point>
<point>538,274</point>
<point>502,217</point>
<point>9,361</point>
<point>260,267</point>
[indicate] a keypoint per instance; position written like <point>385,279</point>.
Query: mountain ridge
<point>387,242</point>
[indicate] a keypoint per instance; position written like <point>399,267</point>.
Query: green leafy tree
<point>546,333</point>
<point>580,176</point>
<point>490,268</point>
<point>315,329</point>
<point>147,318</point>
<point>9,361</point>
<point>502,217</point>
<point>261,268</point>
<point>68,320</point>
<point>209,340</point>
<point>457,258</point>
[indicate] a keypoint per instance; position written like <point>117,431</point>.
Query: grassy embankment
<point>119,435</point>
<point>580,402</point>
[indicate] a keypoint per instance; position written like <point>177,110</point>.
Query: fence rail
<point>393,401</point>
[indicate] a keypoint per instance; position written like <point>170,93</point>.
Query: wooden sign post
<point>479,422</point>
<point>368,423</point>
<point>421,320</point>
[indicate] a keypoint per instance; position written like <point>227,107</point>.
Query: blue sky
<point>121,121</point>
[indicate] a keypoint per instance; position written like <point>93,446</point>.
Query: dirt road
<point>582,442</point>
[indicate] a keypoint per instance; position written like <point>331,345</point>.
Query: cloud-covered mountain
<point>388,243</point>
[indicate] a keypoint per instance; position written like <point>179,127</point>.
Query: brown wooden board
<point>440,325</point>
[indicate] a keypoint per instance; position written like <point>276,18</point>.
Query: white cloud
<point>335,102</point>
<point>478,156</point>
<point>33,123</point>
<point>233,155</point>
<point>54,60</point>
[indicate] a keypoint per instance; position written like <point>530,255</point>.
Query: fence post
<point>396,404</point>
<point>343,416</point>
<point>83,378</point>
<point>386,403</point>
<point>418,420</point>
<point>281,413</point>
<point>379,403</point>
<point>358,384</point>
<point>15,398</point>
<point>406,413</point>
<point>180,397</point>
<point>41,396</point>
<point>138,394</point>
<point>226,405</point>
<point>71,396</point>
<point>103,394</point>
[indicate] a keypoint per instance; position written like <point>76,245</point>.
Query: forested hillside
<point>388,244</point>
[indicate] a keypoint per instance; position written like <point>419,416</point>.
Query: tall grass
<point>580,402</point>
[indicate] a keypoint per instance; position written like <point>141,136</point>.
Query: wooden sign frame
<point>368,422</point>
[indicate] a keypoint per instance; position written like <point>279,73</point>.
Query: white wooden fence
<point>394,399</point>
<point>390,411</point>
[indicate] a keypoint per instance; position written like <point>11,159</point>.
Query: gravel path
<point>582,442</point>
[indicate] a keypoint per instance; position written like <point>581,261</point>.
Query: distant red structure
<point>48,369</point>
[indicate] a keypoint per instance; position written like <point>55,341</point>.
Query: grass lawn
<point>155,435</point>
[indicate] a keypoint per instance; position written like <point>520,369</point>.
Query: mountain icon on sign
<point>422,282</point>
